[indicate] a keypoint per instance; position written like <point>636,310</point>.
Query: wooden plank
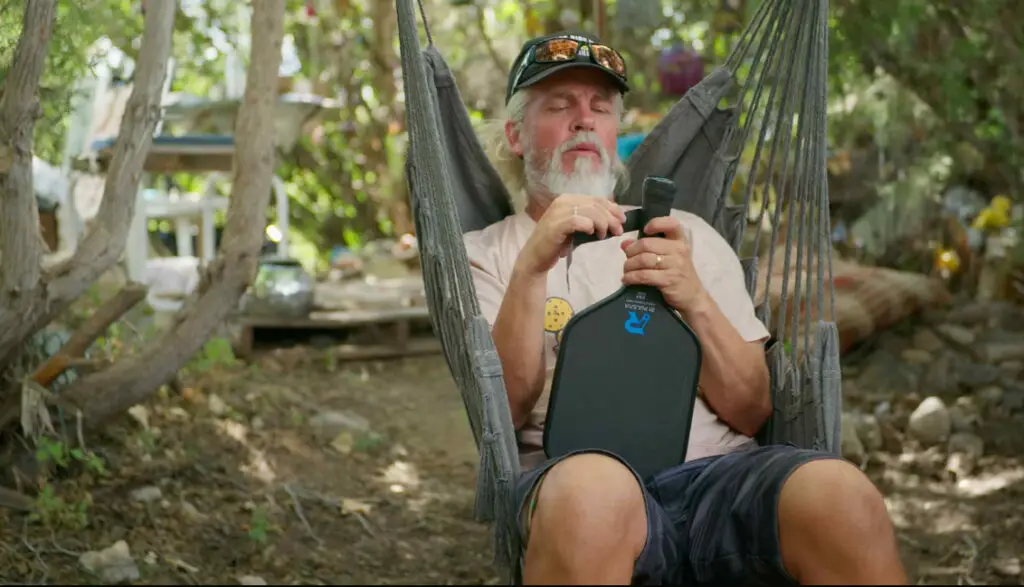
<point>356,352</point>
<point>336,319</point>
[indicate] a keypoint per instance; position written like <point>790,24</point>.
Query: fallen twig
<point>298,511</point>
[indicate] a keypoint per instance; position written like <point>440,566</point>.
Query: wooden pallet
<point>384,333</point>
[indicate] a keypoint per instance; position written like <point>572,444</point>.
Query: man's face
<point>569,134</point>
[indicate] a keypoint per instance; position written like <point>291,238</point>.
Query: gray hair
<point>510,166</point>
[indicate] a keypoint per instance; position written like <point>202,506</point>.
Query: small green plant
<point>54,512</point>
<point>216,352</point>
<point>54,451</point>
<point>259,525</point>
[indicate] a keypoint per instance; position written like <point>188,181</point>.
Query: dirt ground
<point>297,469</point>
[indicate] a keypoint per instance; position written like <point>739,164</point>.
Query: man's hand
<point>567,214</point>
<point>665,263</point>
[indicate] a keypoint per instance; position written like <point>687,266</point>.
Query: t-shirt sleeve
<point>728,285</point>
<point>483,267</point>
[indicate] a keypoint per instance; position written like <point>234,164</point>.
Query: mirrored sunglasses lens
<point>609,58</point>
<point>557,50</point>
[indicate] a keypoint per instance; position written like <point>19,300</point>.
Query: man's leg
<point>781,514</point>
<point>834,528</point>
<point>586,519</point>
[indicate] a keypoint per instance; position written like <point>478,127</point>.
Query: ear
<point>515,142</point>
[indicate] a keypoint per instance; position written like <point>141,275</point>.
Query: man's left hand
<point>665,263</point>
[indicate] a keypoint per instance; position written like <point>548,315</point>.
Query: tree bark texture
<point>20,240</point>
<point>132,380</point>
<point>26,310</point>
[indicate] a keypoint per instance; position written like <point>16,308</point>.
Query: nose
<point>584,120</point>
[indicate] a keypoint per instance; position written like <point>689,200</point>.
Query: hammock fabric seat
<point>780,103</point>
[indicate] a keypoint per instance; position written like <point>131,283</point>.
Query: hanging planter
<point>679,69</point>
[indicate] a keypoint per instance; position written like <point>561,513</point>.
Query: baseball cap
<point>544,56</point>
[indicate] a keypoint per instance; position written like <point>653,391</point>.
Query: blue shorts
<point>709,521</point>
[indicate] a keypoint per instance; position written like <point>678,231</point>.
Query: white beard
<point>587,176</point>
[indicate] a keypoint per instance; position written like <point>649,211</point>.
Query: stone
<point>925,339</point>
<point>989,397</point>
<point>251,580</point>
<point>216,405</point>
<point>1012,368</point>
<point>975,375</point>
<point>329,424</point>
<point>147,494</point>
<point>113,565</point>
<point>956,334</point>
<point>916,356</point>
<point>962,419</point>
<point>850,446</point>
<point>930,422</point>
<point>965,450</point>
<point>868,431</point>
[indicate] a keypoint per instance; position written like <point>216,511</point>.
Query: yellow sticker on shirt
<point>557,313</point>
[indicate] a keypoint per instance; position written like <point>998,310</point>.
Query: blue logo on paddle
<point>636,325</point>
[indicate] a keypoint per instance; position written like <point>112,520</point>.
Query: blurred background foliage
<point>924,95</point>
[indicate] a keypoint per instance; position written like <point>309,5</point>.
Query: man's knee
<point>832,515</point>
<point>587,494</point>
<point>835,490</point>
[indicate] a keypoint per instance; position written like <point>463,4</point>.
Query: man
<point>734,513</point>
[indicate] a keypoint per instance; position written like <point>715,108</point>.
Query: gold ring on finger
<point>657,261</point>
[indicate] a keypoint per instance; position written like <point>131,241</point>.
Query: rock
<point>930,422</point>
<point>962,419</point>
<point>868,431</point>
<point>329,424</point>
<point>964,451</point>
<point>942,376</point>
<point>926,340</point>
<point>989,397</point>
<point>191,513</point>
<point>1012,368</point>
<point>956,334</point>
<point>916,356</point>
<point>251,580</point>
<point>850,445</point>
<point>892,439</point>
<point>140,414</point>
<point>147,494</point>
<point>975,375</point>
<point>216,405</point>
<point>885,373</point>
<point>113,564</point>
<point>1008,566</point>
<point>1013,399</point>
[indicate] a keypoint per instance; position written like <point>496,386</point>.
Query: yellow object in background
<point>947,261</point>
<point>995,216</point>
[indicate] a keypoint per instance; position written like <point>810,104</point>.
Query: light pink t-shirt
<point>596,273</point>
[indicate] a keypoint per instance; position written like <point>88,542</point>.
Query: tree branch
<point>88,332</point>
<point>20,240</point>
<point>131,381</point>
<point>105,242</point>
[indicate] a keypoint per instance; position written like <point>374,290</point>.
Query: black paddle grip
<point>659,194</point>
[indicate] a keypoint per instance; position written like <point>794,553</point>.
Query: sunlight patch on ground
<point>258,466</point>
<point>401,476</point>
<point>933,515</point>
<point>989,483</point>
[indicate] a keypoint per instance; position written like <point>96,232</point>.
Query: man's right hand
<point>568,213</point>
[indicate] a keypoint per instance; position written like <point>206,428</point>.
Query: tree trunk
<point>34,307</point>
<point>20,240</point>
<point>132,380</point>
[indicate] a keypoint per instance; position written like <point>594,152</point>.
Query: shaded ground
<point>295,469</point>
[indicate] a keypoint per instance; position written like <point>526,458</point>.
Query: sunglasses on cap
<point>566,49</point>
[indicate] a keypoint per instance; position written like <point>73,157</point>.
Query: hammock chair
<point>780,133</point>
